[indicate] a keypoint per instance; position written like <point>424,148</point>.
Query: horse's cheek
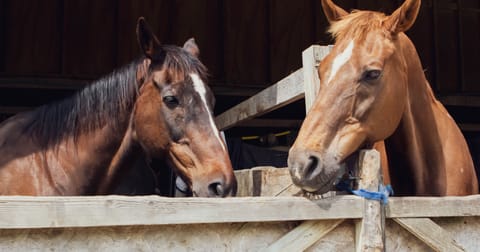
<point>150,131</point>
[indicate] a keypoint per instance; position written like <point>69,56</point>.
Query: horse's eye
<point>171,101</point>
<point>371,75</point>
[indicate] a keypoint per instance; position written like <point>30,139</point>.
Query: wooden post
<point>311,58</point>
<point>370,231</point>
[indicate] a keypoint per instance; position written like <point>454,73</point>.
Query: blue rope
<point>382,194</point>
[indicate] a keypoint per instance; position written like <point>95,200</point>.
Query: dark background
<point>50,48</point>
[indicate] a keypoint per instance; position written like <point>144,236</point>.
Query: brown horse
<point>374,89</point>
<point>156,107</point>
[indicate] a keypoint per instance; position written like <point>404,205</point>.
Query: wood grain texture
<point>311,58</point>
<point>370,230</point>
<point>46,212</point>
<point>303,236</point>
<point>195,237</point>
<point>429,232</point>
<point>35,212</point>
<point>449,206</point>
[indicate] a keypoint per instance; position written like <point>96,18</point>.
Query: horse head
<point>362,97</point>
<point>173,116</point>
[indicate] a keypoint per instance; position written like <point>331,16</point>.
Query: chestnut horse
<point>156,107</point>
<point>374,89</point>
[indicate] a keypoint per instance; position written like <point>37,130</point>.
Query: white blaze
<point>199,86</point>
<point>340,60</point>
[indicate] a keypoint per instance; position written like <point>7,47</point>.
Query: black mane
<point>105,101</point>
<point>99,103</point>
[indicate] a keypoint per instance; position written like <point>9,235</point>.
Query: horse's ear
<point>404,17</point>
<point>146,39</point>
<point>191,47</point>
<point>332,11</point>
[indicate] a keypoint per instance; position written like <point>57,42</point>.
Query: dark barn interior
<point>51,48</point>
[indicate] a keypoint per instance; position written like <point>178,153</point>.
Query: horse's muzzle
<point>219,187</point>
<point>311,171</point>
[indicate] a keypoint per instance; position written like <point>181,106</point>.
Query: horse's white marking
<point>199,86</point>
<point>340,60</point>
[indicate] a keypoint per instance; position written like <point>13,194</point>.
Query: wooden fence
<point>277,221</point>
<point>267,223</point>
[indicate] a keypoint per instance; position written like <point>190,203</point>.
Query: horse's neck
<point>114,151</point>
<point>416,148</point>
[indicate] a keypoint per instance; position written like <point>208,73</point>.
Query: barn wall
<point>244,43</point>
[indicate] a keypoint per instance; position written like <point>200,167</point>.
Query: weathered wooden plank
<point>245,185</point>
<point>304,236</point>
<point>370,231</point>
<point>433,206</point>
<point>195,237</point>
<point>429,232</point>
<point>46,212</point>
<point>286,91</point>
<point>36,212</point>
<point>311,58</point>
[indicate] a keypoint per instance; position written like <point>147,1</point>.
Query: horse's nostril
<point>312,165</point>
<point>216,189</point>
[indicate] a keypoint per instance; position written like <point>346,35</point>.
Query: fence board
<point>449,206</point>
<point>286,91</point>
<point>430,233</point>
<point>311,58</point>
<point>304,236</point>
<point>46,212</point>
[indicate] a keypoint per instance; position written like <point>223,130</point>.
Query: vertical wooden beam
<point>370,231</point>
<point>311,58</point>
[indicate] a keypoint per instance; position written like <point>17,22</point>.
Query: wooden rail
<point>303,83</point>
<point>103,211</point>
